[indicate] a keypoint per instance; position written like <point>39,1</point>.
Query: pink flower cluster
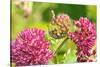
<point>30,48</point>
<point>85,38</point>
<point>62,20</point>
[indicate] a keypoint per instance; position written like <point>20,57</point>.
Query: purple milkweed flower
<point>85,39</point>
<point>30,48</point>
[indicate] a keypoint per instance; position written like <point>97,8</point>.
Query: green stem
<point>60,45</point>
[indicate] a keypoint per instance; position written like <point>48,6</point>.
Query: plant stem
<point>60,45</point>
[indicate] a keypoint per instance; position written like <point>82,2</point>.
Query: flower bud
<point>59,26</point>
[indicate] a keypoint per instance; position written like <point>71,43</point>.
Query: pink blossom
<point>85,38</point>
<point>30,48</point>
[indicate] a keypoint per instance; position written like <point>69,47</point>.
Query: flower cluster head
<point>61,20</point>
<point>85,38</point>
<point>60,25</point>
<point>30,48</point>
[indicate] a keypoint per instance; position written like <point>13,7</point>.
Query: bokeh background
<point>38,15</point>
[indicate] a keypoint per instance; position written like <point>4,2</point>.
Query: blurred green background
<point>40,16</point>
